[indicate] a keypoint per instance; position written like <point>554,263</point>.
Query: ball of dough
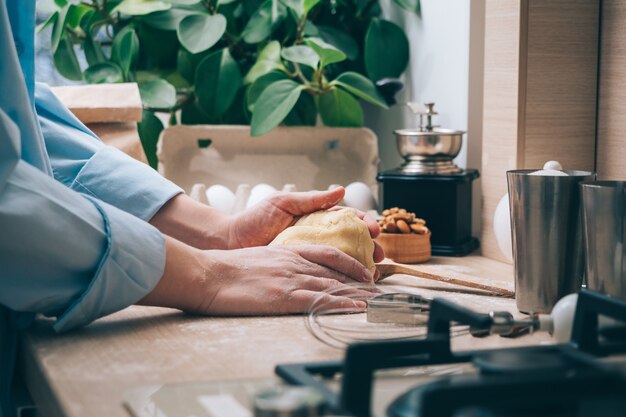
<point>341,229</point>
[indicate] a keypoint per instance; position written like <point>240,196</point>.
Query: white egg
<point>360,196</point>
<point>220,197</point>
<point>502,228</point>
<point>259,193</point>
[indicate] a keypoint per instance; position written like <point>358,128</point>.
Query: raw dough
<point>339,228</point>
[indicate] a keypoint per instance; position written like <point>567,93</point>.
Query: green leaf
<point>217,80</point>
<point>149,130</point>
<point>66,62</point>
<point>93,51</point>
<point>168,19</point>
<point>361,87</point>
<point>410,5</point>
<point>182,2</point>
<point>58,28</point>
<point>177,80</point>
<point>263,22</point>
<point>274,105</point>
<point>185,65</point>
<point>125,49</point>
<point>301,54</point>
<point>304,112</point>
<point>310,30</point>
<point>386,50</point>
<point>267,60</point>
<point>339,39</point>
<point>309,4</point>
<point>49,21</point>
<point>140,7</point>
<point>339,108</point>
<point>328,53</point>
<point>257,88</point>
<point>192,114</point>
<point>105,72</point>
<point>198,33</point>
<point>296,5</point>
<point>76,13</point>
<point>159,48</point>
<point>158,94</point>
<point>237,113</point>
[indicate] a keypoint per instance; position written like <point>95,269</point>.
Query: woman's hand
<point>204,227</point>
<point>259,225</point>
<point>260,280</point>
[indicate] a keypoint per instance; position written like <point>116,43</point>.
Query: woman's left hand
<point>260,224</point>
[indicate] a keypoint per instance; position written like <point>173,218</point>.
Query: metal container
<point>547,237</point>
<point>604,219</point>
<point>427,149</point>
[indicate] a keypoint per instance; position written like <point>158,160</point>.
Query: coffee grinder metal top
<point>428,149</point>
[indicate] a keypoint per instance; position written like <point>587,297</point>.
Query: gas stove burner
<point>520,362</point>
<point>583,377</point>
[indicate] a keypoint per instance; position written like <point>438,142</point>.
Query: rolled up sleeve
<point>69,255</point>
<point>66,254</point>
<point>82,162</point>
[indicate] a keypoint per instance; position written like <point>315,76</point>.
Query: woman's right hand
<point>255,281</point>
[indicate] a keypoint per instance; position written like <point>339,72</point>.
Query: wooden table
<point>86,372</point>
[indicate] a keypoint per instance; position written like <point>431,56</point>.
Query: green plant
<point>263,62</point>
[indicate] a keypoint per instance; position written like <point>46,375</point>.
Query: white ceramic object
<point>220,197</point>
<point>359,196</point>
<point>198,193</point>
<point>259,193</point>
<point>560,321</point>
<point>550,169</point>
<point>556,165</point>
<point>502,228</point>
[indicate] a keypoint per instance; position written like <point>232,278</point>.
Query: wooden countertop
<point>86,372</point>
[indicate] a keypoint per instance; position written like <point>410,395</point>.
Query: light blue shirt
<point>74,239</point>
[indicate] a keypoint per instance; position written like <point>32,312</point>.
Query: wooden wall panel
<point>611,148</point>
<point>500,111</point>
<point>540,92</point>
<point>561,79</point>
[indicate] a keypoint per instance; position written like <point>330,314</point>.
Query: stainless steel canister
<point>604,219</point>
<point>547,237</point>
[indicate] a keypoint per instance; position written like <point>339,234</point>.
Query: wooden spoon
<point>387,269</point>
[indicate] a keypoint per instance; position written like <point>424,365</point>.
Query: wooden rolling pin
<point>390,269</point>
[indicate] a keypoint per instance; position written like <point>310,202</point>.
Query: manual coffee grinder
<point>429,184</point>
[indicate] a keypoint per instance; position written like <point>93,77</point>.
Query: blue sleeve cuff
<point>131,266</point>
<point>114,177</point>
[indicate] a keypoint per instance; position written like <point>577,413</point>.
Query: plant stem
<point>300,75</point>
<point>209,6</point>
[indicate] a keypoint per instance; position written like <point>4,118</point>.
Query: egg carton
<point>239,169</point>
<point>358,195</point>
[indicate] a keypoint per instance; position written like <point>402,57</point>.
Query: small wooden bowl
<point>405,248</point>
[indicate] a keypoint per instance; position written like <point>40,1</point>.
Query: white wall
<point>446,67</point>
